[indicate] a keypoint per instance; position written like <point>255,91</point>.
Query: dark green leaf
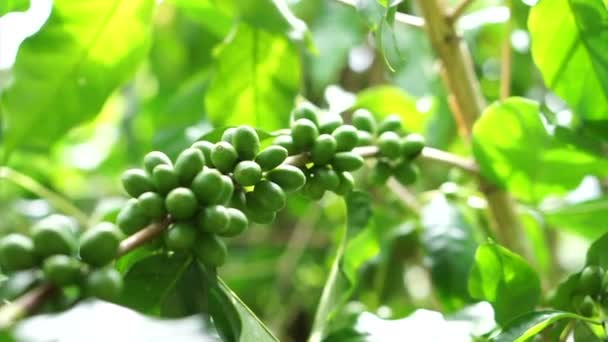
<point>13,6</point>
<point>256,81</point>
<point>570,47</point>
<point>504,279</point>
<point>526,326</point>
<point>524,158</point>
<point>91,318</point>
<point>65,72</point>
<point>585,218</point>
<point>450,247</point>
<point>149,281</point>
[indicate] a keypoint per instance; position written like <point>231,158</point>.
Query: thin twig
<point>41,191</point>
<point>25,305</point>
<point>141,237</point>
<point>403,18</point>
<point>505,59</point>
<point>405,196</point>
<point>433,154</point>
<point>459,10</point>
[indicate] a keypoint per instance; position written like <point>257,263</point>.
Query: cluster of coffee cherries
<point>67,259</point>
<point>591,290</point>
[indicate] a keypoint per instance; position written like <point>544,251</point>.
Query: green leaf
<point>450,245</point>
<point>570,47</point>
<point>504,279</point>
<point>7,6</point>
<point>65,72</point>
<point>524,158</point>
<point>526,326</point>
<point>256,82</point>
<point>148,282</point>
<point>86,320</point>
<point>342,275</point>
<point>584,218</point>
<point>386,100</point>
<point>212,15</point>
<point>597,254</point>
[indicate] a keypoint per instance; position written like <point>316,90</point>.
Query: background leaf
<point>524,157</point>
<point>584,218</point>
<point>65,72</point>
<point>450,245</point>
<point>13,6</point>
<point>256,81</point>
<point>570,47</point>
<point>505,280</point>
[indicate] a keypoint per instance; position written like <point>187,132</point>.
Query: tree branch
<point>459,10</point>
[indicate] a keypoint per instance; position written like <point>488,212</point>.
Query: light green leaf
<point>13,6</point>
<point>504,279</point>
<point>213,15</point>
<point>83,321</point>
<point>570,47</point>
<point>527,326</point>
<point>256,81</point>
<point>341,278</point>
<point>450,245</point>
<point>585,218</point>
<point>386,100</point>
<point>515,151</point>
<point>65,72</point>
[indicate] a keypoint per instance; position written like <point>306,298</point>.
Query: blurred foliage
<point>103,82</point>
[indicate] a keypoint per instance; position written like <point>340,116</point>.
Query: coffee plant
<point>319,170</point>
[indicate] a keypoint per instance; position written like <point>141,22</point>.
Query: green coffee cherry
<point>328,178</point>
<point>347,183</point>
<point>364,138</point>
<point>329,122</point>
<point>286,142</point>
<point>227,190</point>
<point>188,164</point>
<point>164,178</point>
<point>390,123</point>
<point>99,244</point>
<point>206,147</point>
<point>271,157</point>
<point>180,236</point>
<point>305,111</point>
<point>323,149</point>
<point>405,173</point>
<point>256,212</point>
<point>214,219</point>
<point>136,182</point>
<point>347,161</point>
<point>62,270</point>
<point>181,203</point>
<point>208,186</point>
<point>313,189</point>
<point>152,205</point>
<point>210,250</point>
<point>587,307</point>
<point>155,158</point>
<point>246,142</point>
<point>131,218</point>
<point>389,145</point>
<point>105,284</point>
<point>288,177</point>
<point>54,235</point>
<point>270,195</point>
<point>381,173</point>
<point>247,173</point>
<point>363,120</point>
<point>237,223</point>
<point>224,156</point>
<point>303,132</point>
<point>228,135</point>
<point>590,281</point>
<point>346,138</point>
<point>412,145</point>
<point>17,253</point>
